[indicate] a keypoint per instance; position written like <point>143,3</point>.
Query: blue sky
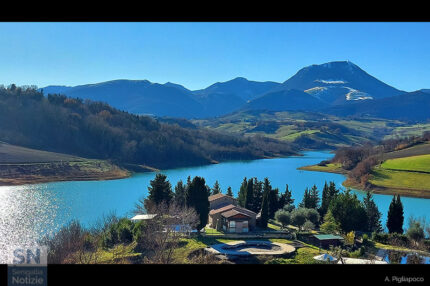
<point>199,54</point>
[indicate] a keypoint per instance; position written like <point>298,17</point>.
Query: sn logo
<point>29,255</point>
<point>20,256</point>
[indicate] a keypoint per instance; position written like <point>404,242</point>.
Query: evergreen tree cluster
<point>194,195</point>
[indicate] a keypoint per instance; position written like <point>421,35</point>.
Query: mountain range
<point>340,88</point>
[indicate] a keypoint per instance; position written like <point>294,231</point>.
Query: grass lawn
<point>414,163</point>
<point>400,179</point>
<point>273,226</point>
<point>304,255</point>
<point>330,168</point>
<point>111,256</point>
<point>212,231</point>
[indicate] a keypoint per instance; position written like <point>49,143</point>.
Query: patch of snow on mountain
<point>317,91</point>
<point>331,81</point>
<point>354,94</point>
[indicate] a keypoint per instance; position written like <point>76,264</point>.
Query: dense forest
<point>96,130</point>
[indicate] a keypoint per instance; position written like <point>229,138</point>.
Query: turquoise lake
<point>29,211</point>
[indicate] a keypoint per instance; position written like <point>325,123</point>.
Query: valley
<point>310,130</point>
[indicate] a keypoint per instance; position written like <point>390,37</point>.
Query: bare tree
<point>161,235</point>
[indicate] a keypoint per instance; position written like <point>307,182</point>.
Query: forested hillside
<point>96,130</point>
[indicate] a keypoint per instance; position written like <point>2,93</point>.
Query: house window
<point>232,224</point>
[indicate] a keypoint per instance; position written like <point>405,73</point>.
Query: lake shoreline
<point>413,193</point>
<point>37,173</point>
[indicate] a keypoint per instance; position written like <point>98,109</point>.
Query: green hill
<point>88,129</point>
<point>305,130</point>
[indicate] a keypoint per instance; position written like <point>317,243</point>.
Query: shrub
<point>120,232</point>
<point>283,217</point>
<point>415,231</point>
<point>308,225</point>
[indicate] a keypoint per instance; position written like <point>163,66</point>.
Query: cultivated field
<point>419,163</point>
<point>11,154</point>
<point>400,180</point>
<point>19,165</point>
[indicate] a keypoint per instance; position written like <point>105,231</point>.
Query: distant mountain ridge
<point>138,96</point>
<point>314,88</point>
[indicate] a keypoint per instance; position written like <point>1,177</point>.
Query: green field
<point>329,168</point>
<point>414,163</point>
<point>408,173</point>
<point>400,180</point>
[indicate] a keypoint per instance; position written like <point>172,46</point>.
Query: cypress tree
<point>249,195</point>
<point>400,213</point>
<point>197,198</point>
<point>242,193</point>
<point>264,210</point>
<point>258,196</point>
<point>395,216</point>
<point>273,201</point>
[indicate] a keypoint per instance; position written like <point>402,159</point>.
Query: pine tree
<point>159,191</point>
<point>197,198</point>
<point>216,189</point>
<point>373,214</point>
<point>314,199</point>
<point>329,192</point>
<point>286,198</point>
<point>306,199</point>
<point>229,192</point>
<point>180,191</point>
<point>242,193</point>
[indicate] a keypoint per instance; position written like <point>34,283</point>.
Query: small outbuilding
<point>326,240</point>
